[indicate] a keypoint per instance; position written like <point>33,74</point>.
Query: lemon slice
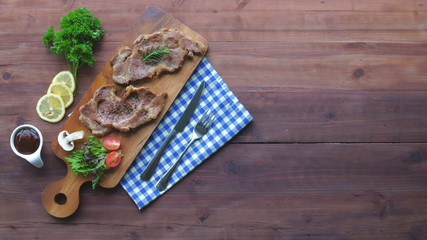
<point>66,78</point>
<point>63,91</point>
<point>51,108</point>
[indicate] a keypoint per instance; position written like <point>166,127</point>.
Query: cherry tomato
<point>113,159</point>
<point>111,143</point>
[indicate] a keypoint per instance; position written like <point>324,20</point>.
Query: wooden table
<point>337,148</point>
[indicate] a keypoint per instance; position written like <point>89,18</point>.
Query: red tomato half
<point>111,143</point>
<point>113,159</point>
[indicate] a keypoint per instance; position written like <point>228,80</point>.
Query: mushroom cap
<point>62,140</point>
<point>66,140</point>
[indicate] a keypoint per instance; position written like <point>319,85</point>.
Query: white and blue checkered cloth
<point>231,117</point>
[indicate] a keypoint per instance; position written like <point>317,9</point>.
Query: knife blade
<point>179,126</point>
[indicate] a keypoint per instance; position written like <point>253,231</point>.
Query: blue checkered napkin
<point>231,117</point>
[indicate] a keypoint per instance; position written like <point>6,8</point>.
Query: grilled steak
<point>128,65</point>
<point>114,107</point>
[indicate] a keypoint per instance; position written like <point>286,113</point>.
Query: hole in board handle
<point>60,199</point>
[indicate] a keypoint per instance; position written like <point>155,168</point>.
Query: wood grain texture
<point>337,148</point>
<point>323,191</point>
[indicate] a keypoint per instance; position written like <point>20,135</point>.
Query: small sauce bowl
<point>33,157</point>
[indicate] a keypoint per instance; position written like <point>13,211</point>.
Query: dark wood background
<point>337,149</point>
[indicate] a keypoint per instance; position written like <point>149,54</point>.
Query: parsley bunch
<point>79,33</point>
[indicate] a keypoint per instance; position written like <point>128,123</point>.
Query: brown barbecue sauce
<point>26,140</point>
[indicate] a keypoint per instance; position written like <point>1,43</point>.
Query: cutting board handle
<point>61,198</point>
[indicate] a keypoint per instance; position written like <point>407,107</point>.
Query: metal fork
<point>199,131</point>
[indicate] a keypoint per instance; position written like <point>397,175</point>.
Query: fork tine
<point>206,115</point>
<point>207,122</point>
<point>211,120</point>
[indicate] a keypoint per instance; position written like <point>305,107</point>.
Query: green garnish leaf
<point>80,30</point>
<point>89,160</point>
<point>154,54</point>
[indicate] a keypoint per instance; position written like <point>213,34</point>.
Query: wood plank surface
<point>337,148</point>
<point>296,191</point>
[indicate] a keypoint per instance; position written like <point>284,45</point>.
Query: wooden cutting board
<point>61,199</point>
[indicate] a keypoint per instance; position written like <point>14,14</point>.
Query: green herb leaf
<point>89,160</point>
<point>79,33</point>
<point>154,54</point>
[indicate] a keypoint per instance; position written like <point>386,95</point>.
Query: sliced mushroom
<point>66,140</point>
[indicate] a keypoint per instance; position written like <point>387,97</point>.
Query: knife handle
<point>164,181</point>
<point>149,170</point>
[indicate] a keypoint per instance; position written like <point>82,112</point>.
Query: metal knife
<point>180,125</point>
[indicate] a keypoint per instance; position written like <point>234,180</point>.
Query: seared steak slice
<point>115,107</point>
<point>128,66</point>
<point>122,72</point>
<point>89,111</point>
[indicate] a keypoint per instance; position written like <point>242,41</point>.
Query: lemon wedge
<point>50,108</point>
<point>63,91</point>
<point>66,78</point>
